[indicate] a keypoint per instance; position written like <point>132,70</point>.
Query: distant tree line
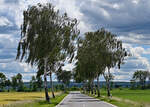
<point>16,83</point>
<point>35,84</point>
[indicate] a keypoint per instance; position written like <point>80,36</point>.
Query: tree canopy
<point>46,33</point>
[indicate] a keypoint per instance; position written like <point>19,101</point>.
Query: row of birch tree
<point>49,38</point>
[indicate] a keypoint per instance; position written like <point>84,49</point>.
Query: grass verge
<point>115,102</point>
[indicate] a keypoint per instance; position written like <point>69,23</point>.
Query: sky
<point>128,19</point>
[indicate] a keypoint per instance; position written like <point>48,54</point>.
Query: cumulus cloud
<point>121,17</point>
<point>72,8</point>
<point>8,65</point>
<point>135,62</point>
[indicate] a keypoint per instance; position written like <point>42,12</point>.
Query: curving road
<point>76,99</point>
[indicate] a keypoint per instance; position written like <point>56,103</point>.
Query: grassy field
<point>28,99</point>
<point>43,103</point>
<point>128,98</point>
<point>133,95</point>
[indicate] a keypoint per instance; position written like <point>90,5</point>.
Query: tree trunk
<point>108,88</point>
<point>108,83</point>
<point>65,91</point>
<point>45,81</point>
<point>51,84</point>
<point>91,88</point>
<point>95,88</point>
<point>98,87</point>
<point>84,88</point>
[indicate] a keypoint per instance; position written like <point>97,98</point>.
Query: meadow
<point>28,99</point>
<point>124,97</point>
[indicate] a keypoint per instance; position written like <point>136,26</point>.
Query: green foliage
<point>7,82</point>
<point>36,83</point>
<point>17,82</point>
<point>45,32</point>
<point>39,82</point>
<point>47,37</point>
<point>64,76</point>
<point>141,77</point>
<point>2,80</point>
<point>97,52</point>
<point>14,82</point>
<point>74,89</point>
<point>133,83</point>
<point>33,85</point>
<point>59,87</point>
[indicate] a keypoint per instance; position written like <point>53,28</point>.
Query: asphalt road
<point>76,99</point>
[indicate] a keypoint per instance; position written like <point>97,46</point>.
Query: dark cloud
<point>11,1</point>
<point>7,29</point>
<point>122,16</point>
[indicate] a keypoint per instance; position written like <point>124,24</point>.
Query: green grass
<point>115,102</point>
<point>142,96</point>
<point>127,98</point>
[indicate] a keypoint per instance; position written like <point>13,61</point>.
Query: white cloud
<point>135,1</point>
<point>73,11</point>
<point>8,41</point>
<point>105,13</point>
<point>26,67</point>
<point>4,21</point>
<point>134,38</point>
<point>116,6</point>
<point>68,67</point>
<point>134,62</point>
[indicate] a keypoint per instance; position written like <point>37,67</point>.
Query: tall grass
<point>21,97</point>
<point>39,103</point>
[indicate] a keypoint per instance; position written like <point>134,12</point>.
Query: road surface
<point>76,99</point>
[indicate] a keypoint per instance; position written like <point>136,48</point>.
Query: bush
<point>120,88</point>
<point>74,89</point>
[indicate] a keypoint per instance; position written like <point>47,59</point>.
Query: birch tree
<point>45,33</point>
<point>97,52</point>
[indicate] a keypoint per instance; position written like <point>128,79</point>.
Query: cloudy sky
<point>129,19</point>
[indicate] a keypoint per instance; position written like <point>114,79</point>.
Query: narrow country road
<point>76,99</point>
